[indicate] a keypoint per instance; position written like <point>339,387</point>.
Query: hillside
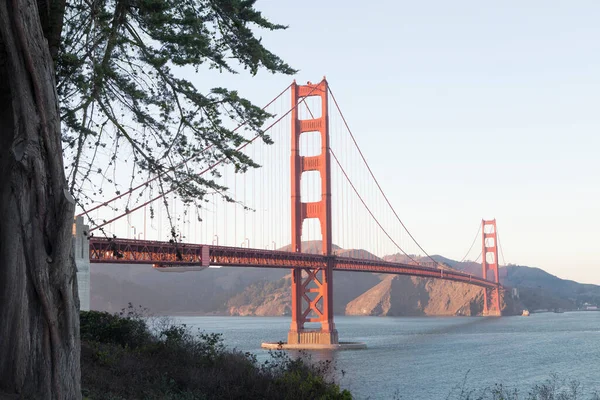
<point>404,295</point>
<point>537,288</point>
<point>274,298</point>
<point>311,247</point>
<point>541,290</point>
<point>205,292</point>
<point>399,295</point>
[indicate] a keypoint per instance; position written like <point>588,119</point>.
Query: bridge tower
<point>491,297</point>
<point>312,292</point>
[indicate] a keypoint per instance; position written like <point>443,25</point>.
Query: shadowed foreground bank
<point>122,358</point>
<point>127,356</point>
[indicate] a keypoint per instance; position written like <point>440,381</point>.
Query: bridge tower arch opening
<point>312,290</point>
<point>489,263</point>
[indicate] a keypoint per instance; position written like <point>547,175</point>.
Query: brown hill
<point>311,247</point>
<point>314,247</point>
<point>399,295</point>
<point>356,253</point>
<point>537,288</point>
<point>403,295</point>
<point>400,258</point>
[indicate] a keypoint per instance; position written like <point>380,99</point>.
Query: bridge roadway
<point>167,254</point>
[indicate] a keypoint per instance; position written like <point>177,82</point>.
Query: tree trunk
<point>39,321</point>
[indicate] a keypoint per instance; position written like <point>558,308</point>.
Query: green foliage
<point>302,378</point>
<point>103,327</point>
<point>120,80</point>
<point>173,363</point>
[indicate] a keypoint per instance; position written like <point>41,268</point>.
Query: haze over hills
<point>255,291</point>
<point>537,288</point>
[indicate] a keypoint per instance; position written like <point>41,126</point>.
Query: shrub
<point>127,331</point>
<point>123,358</point>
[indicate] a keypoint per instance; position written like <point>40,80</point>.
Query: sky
<point>489,109</point>
<point>483,109</point>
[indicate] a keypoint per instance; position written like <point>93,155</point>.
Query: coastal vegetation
<point>127,355</point>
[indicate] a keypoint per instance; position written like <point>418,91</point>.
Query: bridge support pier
<point>310,337</point>
<point>311,302</point>
<point>489,261</point>
<point>81,251</point>
<point>312,290</point>
<point>491,303</point>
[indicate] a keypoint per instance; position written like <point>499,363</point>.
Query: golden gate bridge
<point>315,173</point>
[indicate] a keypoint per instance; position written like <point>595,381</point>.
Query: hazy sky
<point>487,109</point>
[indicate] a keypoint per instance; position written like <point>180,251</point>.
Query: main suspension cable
<point>375,179</point>
<point>500,245</point>
<point>211,167</point>
<point>367,207</point>
<point>472,244</point>
<point>158,176</point>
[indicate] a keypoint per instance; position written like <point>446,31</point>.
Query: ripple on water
<point>424,358</point>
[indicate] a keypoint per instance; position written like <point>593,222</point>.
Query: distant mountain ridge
<point>537,288</point>
<point>255,291</point>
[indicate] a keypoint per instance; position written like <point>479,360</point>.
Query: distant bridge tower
<point>312,292</point>
<point>491,297</point>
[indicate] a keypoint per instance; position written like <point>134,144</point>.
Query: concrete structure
<point>81,250</point>
<point>314,346</point>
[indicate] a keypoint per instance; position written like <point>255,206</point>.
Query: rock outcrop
<point>403,296</point>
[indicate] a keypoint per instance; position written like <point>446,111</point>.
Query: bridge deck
<point>165,254</point>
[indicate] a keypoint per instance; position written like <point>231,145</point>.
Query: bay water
<point>431,357</point>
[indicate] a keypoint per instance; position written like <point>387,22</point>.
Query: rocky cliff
<point>412,296</point>
<point>403,295</point>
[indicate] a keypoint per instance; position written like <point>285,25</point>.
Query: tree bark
<point>39,321</point>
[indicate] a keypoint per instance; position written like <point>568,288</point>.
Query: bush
<point>127,330</point>
<point>305,379</point>
<point>123,358</point>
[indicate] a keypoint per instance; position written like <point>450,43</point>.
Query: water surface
<point>425,358</point>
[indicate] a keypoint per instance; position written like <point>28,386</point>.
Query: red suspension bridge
<point>334,195</point>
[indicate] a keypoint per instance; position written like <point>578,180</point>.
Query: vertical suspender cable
<point>375,179</point>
